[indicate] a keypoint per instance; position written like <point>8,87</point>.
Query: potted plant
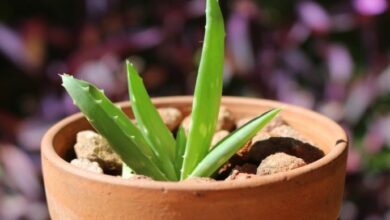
<point>312,191</point>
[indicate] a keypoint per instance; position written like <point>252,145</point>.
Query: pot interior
<point>316,128</point>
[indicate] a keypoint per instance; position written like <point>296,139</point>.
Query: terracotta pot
<point>314,191</point>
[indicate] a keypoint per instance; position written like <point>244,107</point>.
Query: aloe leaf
<point>125,139</point>
<point>181,140</point>
<point>150,123</point>
<point>208,90</point>
<point>227,147</point>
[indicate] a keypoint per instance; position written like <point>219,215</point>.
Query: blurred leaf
<point>378,162</point>
<point>1,171</point>
<point>275,13</point>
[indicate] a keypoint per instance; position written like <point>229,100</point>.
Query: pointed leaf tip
<point>275,111</point>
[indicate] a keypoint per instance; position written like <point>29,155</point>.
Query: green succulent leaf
<point>227,147</point>
<point>150,123</point>
<point>111,122</point>
<point>208,90</point>
<point>181,140</point>
<point>150,149</point>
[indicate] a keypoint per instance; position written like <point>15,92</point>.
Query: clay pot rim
<point>49,153</point>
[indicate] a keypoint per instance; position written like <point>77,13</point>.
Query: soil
<point>278,147</point>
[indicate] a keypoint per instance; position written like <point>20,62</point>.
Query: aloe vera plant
<point>150,148</point>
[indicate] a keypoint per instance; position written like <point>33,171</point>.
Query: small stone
<point>225,120</point>
<point>282,138</point>
<point>237,175</point>
<point>171,117</point>
<point>86,164</point>
<point>262,147</point>
<point>245,171</point>
<point>240,122</point>
<point>94,147</point>
<point>279,162</point>
<point>276,122</point>
<point>288,131</point>
<point>186,123</point>
<point>261,136</point>
<point>218,136</point>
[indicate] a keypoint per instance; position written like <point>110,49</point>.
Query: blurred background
<point>327,55</point>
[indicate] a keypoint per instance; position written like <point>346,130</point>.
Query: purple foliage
<point>370,7</point>
<point>314,16</point>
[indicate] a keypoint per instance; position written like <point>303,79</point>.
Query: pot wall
<point>314,191</point>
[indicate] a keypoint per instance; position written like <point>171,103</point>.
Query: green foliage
<point>1,171</point>
<point>150,148</point>
<point>181,141</point>
<point>208,90</point>
<point>227,147</point>
<point>115,126</point>
<point>156,133</point>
